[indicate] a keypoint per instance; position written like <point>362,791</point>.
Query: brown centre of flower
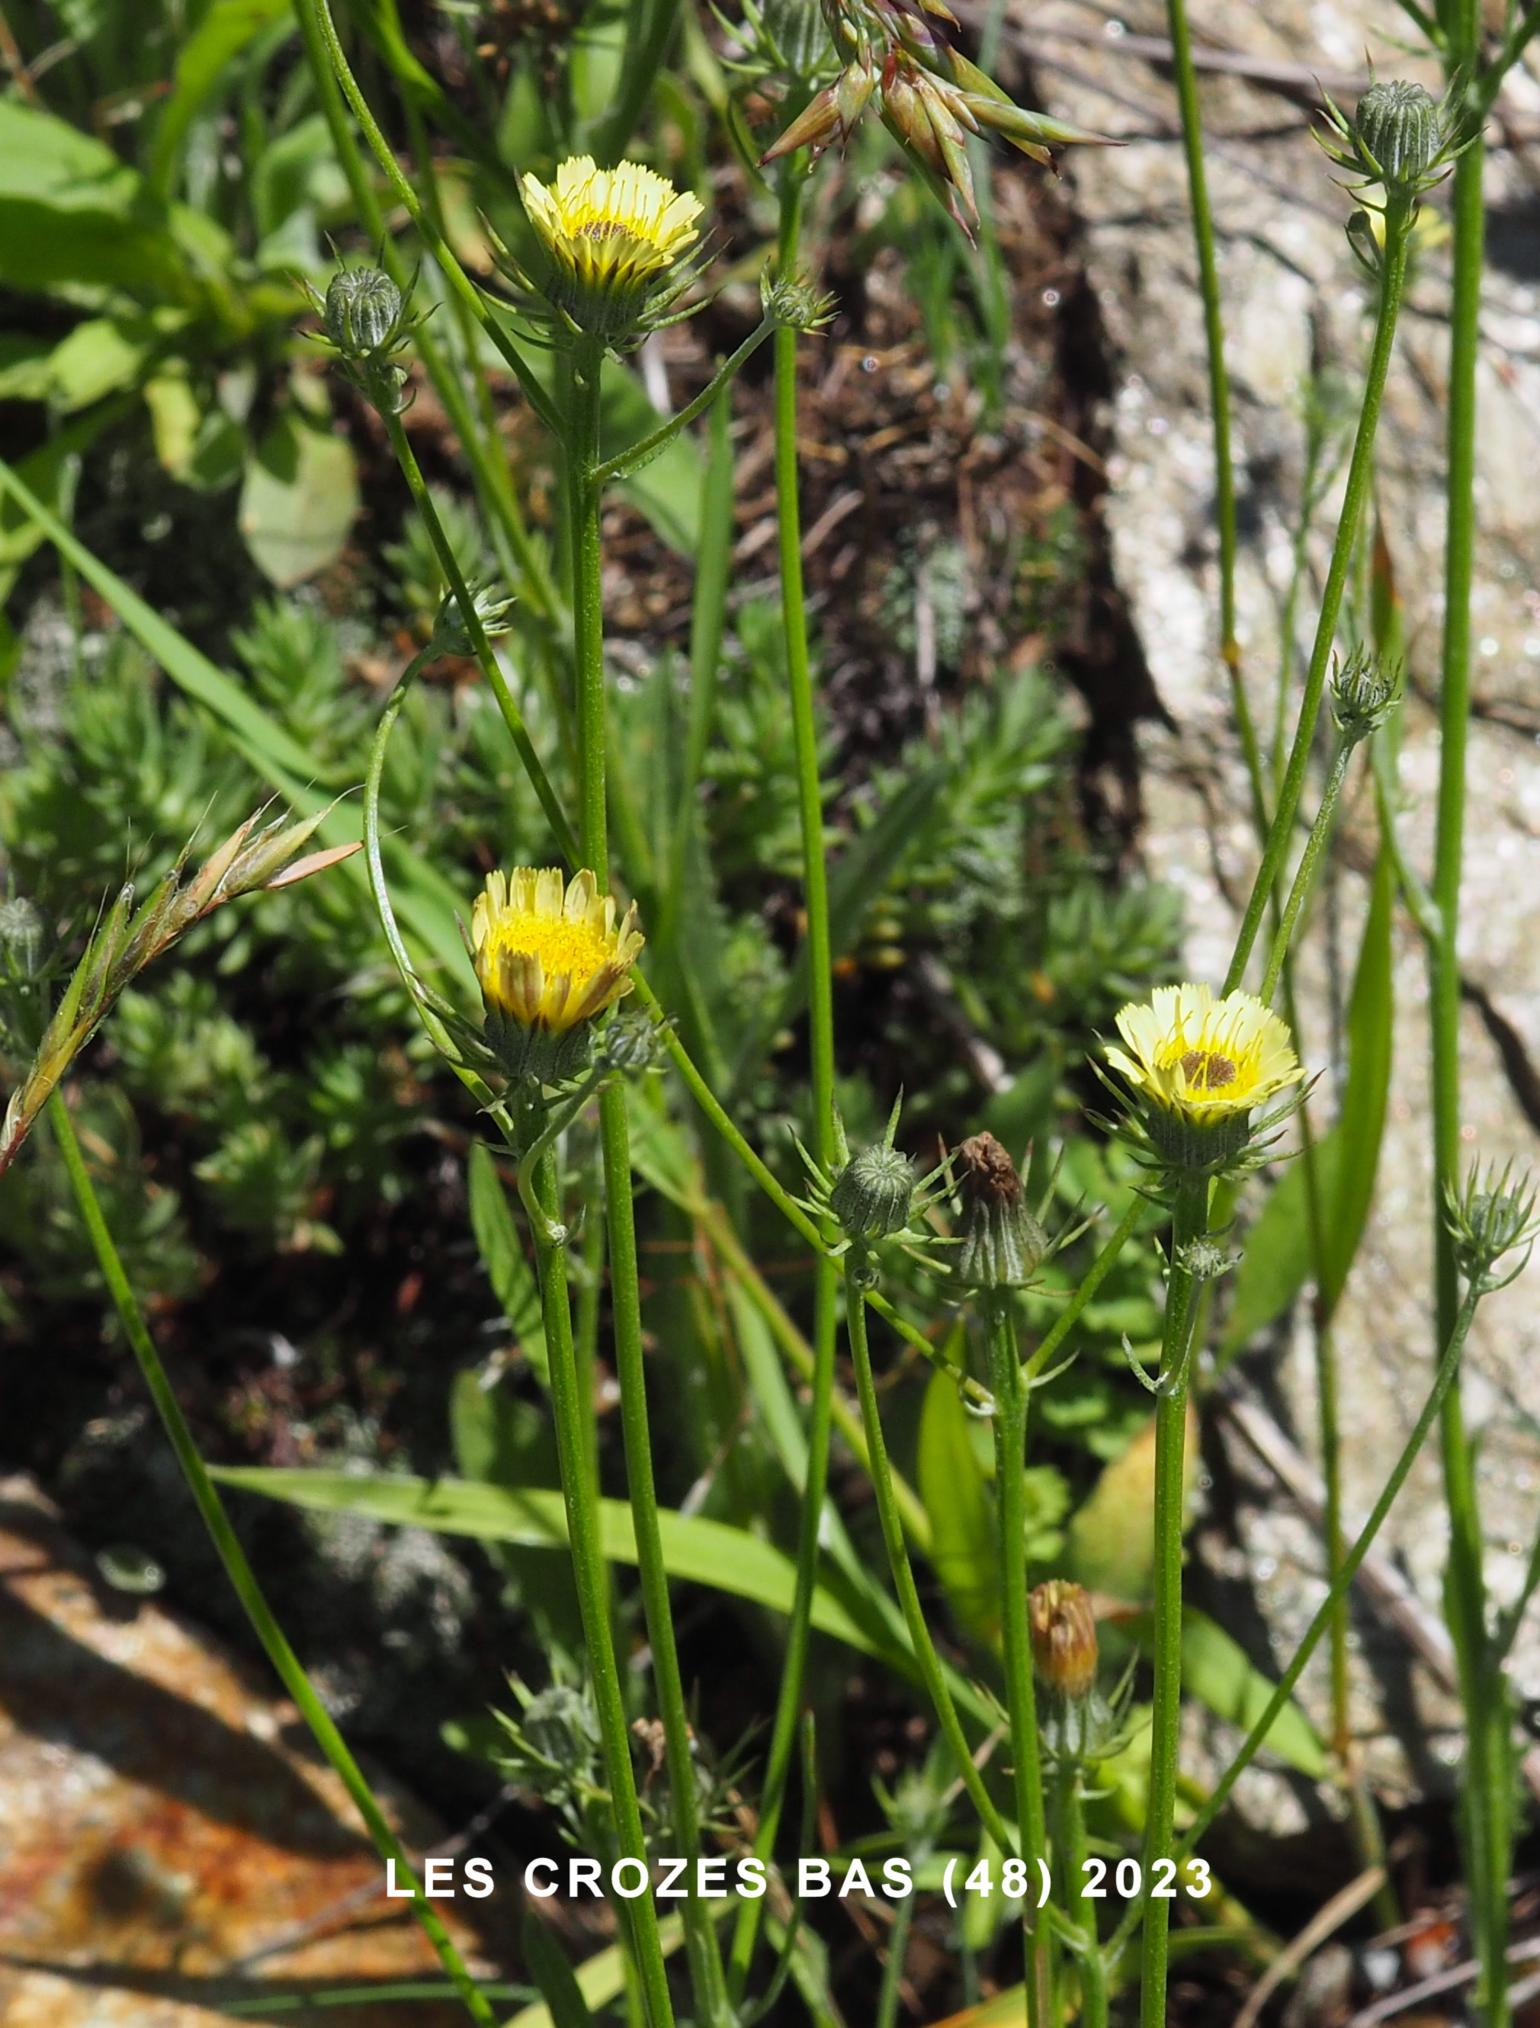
<point>602,228</point>
<point>1207,1069</point>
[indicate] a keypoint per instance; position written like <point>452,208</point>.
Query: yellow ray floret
<point>612,228</point>
<point>1204,1058</point>
<point>549,952</point>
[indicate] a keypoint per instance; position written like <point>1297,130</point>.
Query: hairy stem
<point>1189,1223</point>
<point>1009,1388</point>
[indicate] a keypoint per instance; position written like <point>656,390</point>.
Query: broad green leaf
<point>76,219</point>
<point>696,1550</point>
<point>1111,1538</point>
<point>1215,1671</point>
<point>546,1965</point>
<point>299,500</point>
<point>502,1255</point>
<point>603,1977</point>
<point>1366,1094</point>
<point>1278,1259</point>
<point>224,31</point>
<point>963,1551</point>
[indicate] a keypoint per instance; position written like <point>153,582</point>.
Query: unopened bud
<point>1492,1217</point>
<point>1363,691</point>
<point>872,1194</point>
<point>362,311</point>
<point>1063,1627</point>
<point>1400,132</point>
<point>1001,1245</point>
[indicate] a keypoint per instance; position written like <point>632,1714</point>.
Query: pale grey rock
<point>1294,292</point>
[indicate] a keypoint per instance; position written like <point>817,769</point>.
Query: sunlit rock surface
<point>170,1846</point>
<point>1293,295</point>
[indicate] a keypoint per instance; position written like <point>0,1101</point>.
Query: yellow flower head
<point>1204,1059</point>
<point>548,952</point>
<point>617,240</point>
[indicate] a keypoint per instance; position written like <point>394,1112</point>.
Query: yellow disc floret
<point>613,237</point>
<point>1203,1058</point>
<point>549,952</point>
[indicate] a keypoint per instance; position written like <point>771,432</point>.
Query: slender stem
<point>449,563</point>
<point>1008,1385</point>
<point>1487,1808</point>
<point>639,454</point>
<point>1189,1223</point>
<point>1398,225</point>
<point>891,1520</point>
<point>1304,878</point>
<point>1351,1563</point>
<point>319,12</point>
<point>591,1575</point>
<point>585,498</point>
<point>821,1139</point>
<point>1186,75</point>
<point>239,1571</point>
<point>1095,1275</point>
<point>491,478</point>
<point>1069,1864</point>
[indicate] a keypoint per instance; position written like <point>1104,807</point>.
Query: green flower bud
<point>1001,1245</point>
<point>1399,129</point>
<point>1492,1217</point>
<point>1363,690</point>
<point>629,1043</point>
<point>362,311</point>
<point>793,302</point>
<point>872,1194</point>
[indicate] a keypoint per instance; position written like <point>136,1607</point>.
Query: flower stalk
<point>585,499</point>
<point>1189,1226</point>
<point>821,1140</point>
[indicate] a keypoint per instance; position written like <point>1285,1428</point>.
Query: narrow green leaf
<point>502,1255</point>
<point>1216,1671</point>
<point>697,1550</point>
<point>553,1975</point>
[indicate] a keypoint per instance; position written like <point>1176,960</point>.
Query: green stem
<point>1186,75</point>
<point>821,1138</point>
<point>891,1520</point>
<point>239,1571</point>
<point>1304,878</point>
<point>585,498</point>
<point>319,15</point>
<point>1070,1863</point>
<point>1488,1815</point>
<point>1351,1563</point>
<point>491,478</point>
<point>1009,1388</point>
<point>1095,1275</point>
<point>1189,1223</point>
<point>1398,225</point>
<point>591,1576</point>
<point>641,453</point>
<point>449,563</point>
